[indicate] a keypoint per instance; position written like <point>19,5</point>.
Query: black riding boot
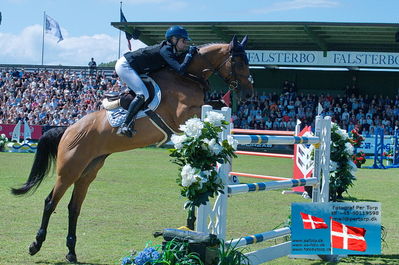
<point>127,128</point>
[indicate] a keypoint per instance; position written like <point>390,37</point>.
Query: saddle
<point>116,105</point>
<point>123,99</point>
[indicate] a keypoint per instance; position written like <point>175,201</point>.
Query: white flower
<point>349,148</point>
<point>192,127</point>
<point>189,175</point>
<point>214,118</point>
<point>342,133</point>
<point>207,173</point>
<point>353,167</point>
<point>215,147</point>
<point>333,165</point>
<point>1,143</point>
<point>233,142</point>
<point>178,140</point>
<point>3,135</point>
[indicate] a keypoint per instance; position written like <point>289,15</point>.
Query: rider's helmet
<point>178,32</point>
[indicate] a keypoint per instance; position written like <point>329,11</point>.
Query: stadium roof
<point>305,36</point>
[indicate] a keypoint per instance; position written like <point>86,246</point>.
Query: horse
<point>79,151</point>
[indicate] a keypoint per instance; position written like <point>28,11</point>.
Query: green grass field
<point>135,194</point>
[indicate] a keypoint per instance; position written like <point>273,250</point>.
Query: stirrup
<point>125,130</point>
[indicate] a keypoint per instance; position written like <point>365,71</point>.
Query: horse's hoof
<point>71,258</point>
<point>33,248</point>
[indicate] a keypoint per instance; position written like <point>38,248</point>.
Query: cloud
<point>296,4</point>
<point>26,48</point>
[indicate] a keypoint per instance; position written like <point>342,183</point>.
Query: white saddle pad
<point>116,116</point>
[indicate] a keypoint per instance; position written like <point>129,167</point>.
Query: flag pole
<point>331,242</point>
<point>44,24</point>
<point>119,50</point>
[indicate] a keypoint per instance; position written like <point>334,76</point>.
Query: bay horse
<point>80,150</point>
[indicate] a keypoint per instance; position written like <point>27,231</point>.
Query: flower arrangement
<point>148,255</point>
<point>359,159</point>
<point>388,155</point>
<point>197,151</point>
<point>3,141</point>
<point>173,252</point>
<point>356,138</point>
<point>176,252</point>
<point>342,167</point>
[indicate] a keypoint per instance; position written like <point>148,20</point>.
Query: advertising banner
<point>316,58</point>
<point>336,228</point>
<point>7,129</point>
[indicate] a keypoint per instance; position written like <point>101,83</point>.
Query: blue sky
<point>85,24</point>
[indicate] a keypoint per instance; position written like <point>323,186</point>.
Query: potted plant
<point>3,141</point>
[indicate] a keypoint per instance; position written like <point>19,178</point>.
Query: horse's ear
<point>233,43</point>
<point>244,41</point>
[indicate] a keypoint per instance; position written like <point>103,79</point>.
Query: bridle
<point>232,78</point>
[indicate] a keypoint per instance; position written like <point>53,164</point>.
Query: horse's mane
<point>210,44</point>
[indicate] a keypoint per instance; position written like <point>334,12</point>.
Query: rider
<point>173,52</point>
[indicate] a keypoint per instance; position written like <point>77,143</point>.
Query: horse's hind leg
<point>79,193</point>
<point>41,234</point>
<point>50,203</point>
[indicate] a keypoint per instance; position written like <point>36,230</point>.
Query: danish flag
<point>313,222</point>
<point>347,237</point>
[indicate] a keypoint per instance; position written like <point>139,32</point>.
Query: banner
<point>7,129</point>
<point>336,228</point>
<point>316,58</point>
<point>368,145</point>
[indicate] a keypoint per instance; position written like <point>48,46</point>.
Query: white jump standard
<point>214,219</point>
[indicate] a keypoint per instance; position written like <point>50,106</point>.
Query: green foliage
<point>109,64</point>
<point>231,255</point>
<point>341,166</point>
<point>176,253</point>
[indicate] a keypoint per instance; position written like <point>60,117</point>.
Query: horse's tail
<point>46,154</point>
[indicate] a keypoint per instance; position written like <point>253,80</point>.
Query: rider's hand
<point>192,50</point>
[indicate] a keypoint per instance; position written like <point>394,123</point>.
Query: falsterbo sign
<point>316,58</point>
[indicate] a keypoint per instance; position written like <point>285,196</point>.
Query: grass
<point>135,194</point>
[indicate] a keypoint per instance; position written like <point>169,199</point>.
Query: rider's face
<point>182,45</point>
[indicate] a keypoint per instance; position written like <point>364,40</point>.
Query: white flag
<point>52,27</point>
<point>319,109</point>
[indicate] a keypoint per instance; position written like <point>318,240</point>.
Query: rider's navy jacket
<point>156,57</point>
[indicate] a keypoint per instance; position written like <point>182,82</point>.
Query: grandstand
<point>289,83</point>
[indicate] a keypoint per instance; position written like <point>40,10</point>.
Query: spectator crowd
<point>53,98</point>
<point>61,97</point>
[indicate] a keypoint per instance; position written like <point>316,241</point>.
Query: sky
<point>87,31</point>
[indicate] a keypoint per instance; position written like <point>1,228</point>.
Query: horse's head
<point>230,62</point>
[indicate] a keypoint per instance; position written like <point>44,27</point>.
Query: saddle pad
<point>117,116</point>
